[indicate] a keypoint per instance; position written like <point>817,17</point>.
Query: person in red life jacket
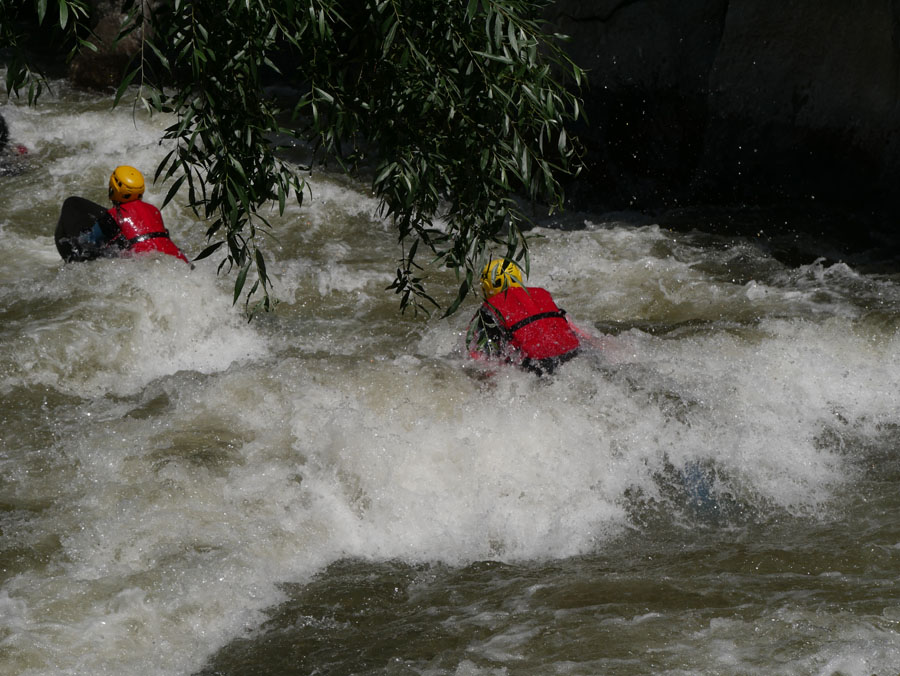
<point>140,227</point>
<point>518,324</point>
<point>13,156</point>
<point>13,160</point>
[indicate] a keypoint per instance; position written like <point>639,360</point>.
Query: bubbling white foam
<point>124,323</point>
<point>197,461</point>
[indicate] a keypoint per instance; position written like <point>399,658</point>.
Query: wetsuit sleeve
<point>108,226</point>
<point>113,237</point>
<point>485,337</point>
<point>105,230</point>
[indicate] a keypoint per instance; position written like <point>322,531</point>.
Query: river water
<point>334,488</point>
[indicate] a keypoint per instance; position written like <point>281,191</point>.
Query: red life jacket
<point>534,324</point>
<point>141,226</point>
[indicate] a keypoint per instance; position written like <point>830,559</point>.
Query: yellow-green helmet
<point>126,184</point>
<point>499,275</point>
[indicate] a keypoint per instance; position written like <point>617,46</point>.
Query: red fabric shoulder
<point>139,218</point>
<point>545,337</point>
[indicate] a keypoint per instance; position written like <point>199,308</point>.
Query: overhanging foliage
<point>454,107</point>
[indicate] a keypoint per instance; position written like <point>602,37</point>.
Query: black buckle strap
<point>533,318</point>
<point>146,236</point>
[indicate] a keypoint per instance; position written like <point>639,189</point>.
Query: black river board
<point>76,221</point>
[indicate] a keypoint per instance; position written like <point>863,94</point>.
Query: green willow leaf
<point>239,282</point>
<point>461,107</point>
<point>126,82</point>
<point>210,250</point>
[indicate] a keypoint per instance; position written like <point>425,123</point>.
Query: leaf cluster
<point>453,108</point>
<point>459,106</point>
<point>57,26</point>
<point>203,62</point>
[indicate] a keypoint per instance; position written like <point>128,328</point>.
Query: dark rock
<point>103,70</point>
<point>742,101</point>
<point>4,134</point>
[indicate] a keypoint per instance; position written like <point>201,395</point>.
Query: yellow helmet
<point>499,275</point>
<point>126,184</point>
